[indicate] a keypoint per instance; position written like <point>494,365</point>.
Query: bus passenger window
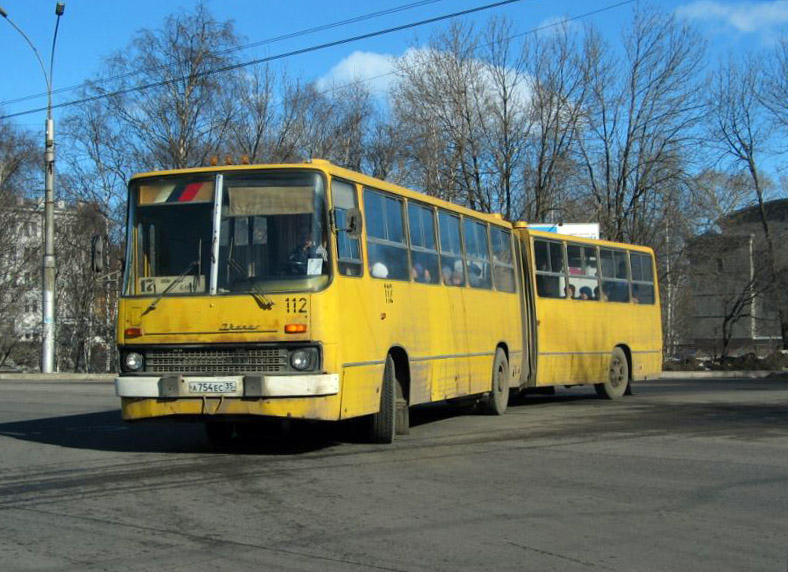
<point>642,278</point>
<point>348,248</point>
<point>503,265</point>
<point>583,281</point>
<point>550,277</point>
<point>615,275</point>
<point>386,248</point>
<point>452,266</point>
<point>423,251</point>
<point>477,252</point>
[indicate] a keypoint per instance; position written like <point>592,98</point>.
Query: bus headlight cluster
<point>303,359</point>
<point>133,361</point>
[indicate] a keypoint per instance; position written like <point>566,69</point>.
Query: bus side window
<point>503,265</point>
<point>615,275</point>
<point>642,278</point>
<point>386,248</point>
<point>477,252</point>
<point>452,266</point>
<point>583,282</point>
<point>549,261</point>
<point>423,248</point>
<point>348,248</point>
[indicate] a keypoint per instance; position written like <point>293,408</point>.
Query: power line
<point>553,24</point>
<point>284,55</point>
<point>289,36</point>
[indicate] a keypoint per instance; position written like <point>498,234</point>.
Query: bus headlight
<point>304,359</point>
<point>133,361</point>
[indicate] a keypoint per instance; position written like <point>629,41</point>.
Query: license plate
<point>213,386</point>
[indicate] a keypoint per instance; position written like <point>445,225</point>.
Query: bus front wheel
<point>495,402</point>
<point>618,377</point>
<point>392,417</point>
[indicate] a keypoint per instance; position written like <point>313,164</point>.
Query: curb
<point>99,377</point>
<point>723,374</point>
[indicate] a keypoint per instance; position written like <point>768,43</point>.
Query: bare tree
<point>639,115</point>
<point>171,109</point>
<point>742,129</point>
<point>439,108</point>
<point>20,178</point>
<point>553,64</point>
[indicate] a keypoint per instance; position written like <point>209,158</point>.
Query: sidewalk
<point>722,374</point>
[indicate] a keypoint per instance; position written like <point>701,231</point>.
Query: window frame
<point>494,263</point>
<point>650,257</point>
<point>405,244</point>
<point>449,254</point>
<point>336,232</point>
<point>469,258</point>
<point>421,249</point>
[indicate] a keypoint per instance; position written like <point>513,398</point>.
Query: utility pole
<point>48,273</point>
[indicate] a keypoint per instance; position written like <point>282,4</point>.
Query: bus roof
<point>328,167</point>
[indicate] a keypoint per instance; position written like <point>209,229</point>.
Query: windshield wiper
<point>172,285</point>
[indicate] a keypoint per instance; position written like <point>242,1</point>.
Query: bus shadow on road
<point>106,431</point>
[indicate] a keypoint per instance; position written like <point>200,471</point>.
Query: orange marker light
<point>133,332</point>
<point>295,328</point>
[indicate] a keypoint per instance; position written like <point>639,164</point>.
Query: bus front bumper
<point>251,386</point>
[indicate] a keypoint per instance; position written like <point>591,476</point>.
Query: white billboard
<point>582,230</point>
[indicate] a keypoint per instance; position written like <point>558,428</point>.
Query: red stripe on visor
<point>189,192</point>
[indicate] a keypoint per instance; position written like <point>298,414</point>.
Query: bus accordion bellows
<point>309,291</point>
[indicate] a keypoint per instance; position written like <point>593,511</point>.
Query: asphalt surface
<point>683,475</point>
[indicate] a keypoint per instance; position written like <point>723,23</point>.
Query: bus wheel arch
<point>402,389</point>
<point>619,374</point>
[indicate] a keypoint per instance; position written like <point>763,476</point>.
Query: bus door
<point>528,311</point>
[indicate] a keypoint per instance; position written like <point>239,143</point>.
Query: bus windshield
<point>272,235</point>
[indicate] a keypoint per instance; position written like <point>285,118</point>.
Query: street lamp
<point>48,290</point>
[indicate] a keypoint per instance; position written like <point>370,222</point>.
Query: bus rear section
<point>596,312</point>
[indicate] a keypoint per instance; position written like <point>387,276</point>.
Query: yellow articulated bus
<point>308,291</point>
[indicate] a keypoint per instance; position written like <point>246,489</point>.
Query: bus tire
<point>618,377</point>
<point>382,426</point>
<point>220,434</point>
<point>495,402</point>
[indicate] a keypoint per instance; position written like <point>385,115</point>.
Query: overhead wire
<point>267,41</point>
<point>239,65</point>
<point>326,45</point>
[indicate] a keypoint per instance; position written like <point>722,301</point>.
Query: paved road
<point>684,475</point>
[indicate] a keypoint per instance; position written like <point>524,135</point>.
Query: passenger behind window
<point>379,270</point>
<point>420,274</point>
<point>569,291</point>
<point>585,293</point>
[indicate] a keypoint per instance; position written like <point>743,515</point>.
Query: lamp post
<point>48,290</point>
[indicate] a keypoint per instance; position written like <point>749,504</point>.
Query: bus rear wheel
<point>393,416</point>
<point>618,377</point>
<point>495,402</point>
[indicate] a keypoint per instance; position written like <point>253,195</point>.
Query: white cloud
<point>745,17</point>
<point>372,68</point>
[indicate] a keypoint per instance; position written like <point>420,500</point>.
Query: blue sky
<point>92,29</point>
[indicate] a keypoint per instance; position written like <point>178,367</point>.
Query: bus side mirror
<point>353,223</point>
<point>97,253</point>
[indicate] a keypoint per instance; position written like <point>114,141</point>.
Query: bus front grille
<point>209,361</point>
